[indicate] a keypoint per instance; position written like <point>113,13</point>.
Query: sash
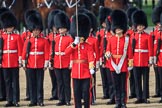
<point>119,66</point>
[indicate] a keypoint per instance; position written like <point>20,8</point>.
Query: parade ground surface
<point>100,103</point>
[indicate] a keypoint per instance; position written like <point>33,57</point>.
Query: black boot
<point>117,106</point>
<point>123,106</point>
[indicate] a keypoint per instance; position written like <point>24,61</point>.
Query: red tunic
<point>143,49</point>
<point>95,45</point>
<point>116,48</point>
<point>39,52</point>
<point>157,36</point>
<point>61,60</point>
<point>12,50</point>
<point>81,56</point>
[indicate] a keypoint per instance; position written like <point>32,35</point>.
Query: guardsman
<point>130,32</point>
<point>62,61</point>
<point>143,56</point>
<point>103,14</point>
<point>82,56</point>
<point>11,59</point>
<point>158,54</point>
<point>51,36</point>
<point>108,35</point>
<point>93,41</point>
<point>24,36</point>
<point>120,54</point>
<point>2,81</point>
<point>35,58</point>
<point>156,30</point>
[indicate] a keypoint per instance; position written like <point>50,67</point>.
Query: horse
<point>70,10</point>
<point>18,7</point>
<point>44,7</point>
<point>116,4</point>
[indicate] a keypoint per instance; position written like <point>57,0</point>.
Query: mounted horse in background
<point>116,4</point>
<point>44,7</point>
<point>18,7</point>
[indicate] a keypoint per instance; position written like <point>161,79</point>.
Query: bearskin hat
<point>30,12</point>
<point>34,21</point>
<point>129,14</point>
<point>156,14</point>
<point>161,18</point>
<point>103,13</point>
<point>8,19</point>
<point>62,21</point>
<point>92,18</point>
<point>2,10</point>
<point>84,26</point>
<point>139,18</point>
<point>51,17</point>
<point>118,20</point>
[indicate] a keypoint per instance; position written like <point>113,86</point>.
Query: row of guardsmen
<point>72,50</point>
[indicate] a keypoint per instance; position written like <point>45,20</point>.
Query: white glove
<point>130,68</point>
<point>107,55</point>
<point>92,71</point>
<point>151,60</point>
<point>76,41</point>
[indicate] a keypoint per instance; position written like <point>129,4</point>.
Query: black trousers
<point>105,84</point>
<point>119,81</point>
<point>11,76</point>
<point>160,76</point>
<point>63,81</point>
<point>110,84</point>
<point>2,85</point>
<point>27,85</point>
<point>81,87</point>
<point>132,83</point>
<point>54,90</point>
<point>157,81</point>
<point>36,79</point>
<point>141,73</point>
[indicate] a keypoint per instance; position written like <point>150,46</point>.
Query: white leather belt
<point>160,50</point>
<point>36,53</point>
<point>9,51</point>
<point>60,53</point>
<point>140,50</point>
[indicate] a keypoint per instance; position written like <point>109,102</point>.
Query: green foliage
<point>148,9</point>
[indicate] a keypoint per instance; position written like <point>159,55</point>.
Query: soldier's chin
<point>82,39</point>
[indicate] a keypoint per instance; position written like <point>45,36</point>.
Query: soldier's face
<point>140,28</point>
<point>119,32</point>
<point>36,32</point>
<point>9,29</point>
<point>62,30</point>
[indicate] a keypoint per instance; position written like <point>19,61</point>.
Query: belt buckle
<point>139,50</point>
<point>35,52</point>
<point>8,51</point>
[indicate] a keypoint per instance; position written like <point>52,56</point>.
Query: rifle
<point>1,47</point>
<point>153,36</point>
<point>158,47</point>
<point>27,50</point>
<point>133,43</point>
<point>99,36</point>
<point>53,50</point>
<point>104,46</point>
